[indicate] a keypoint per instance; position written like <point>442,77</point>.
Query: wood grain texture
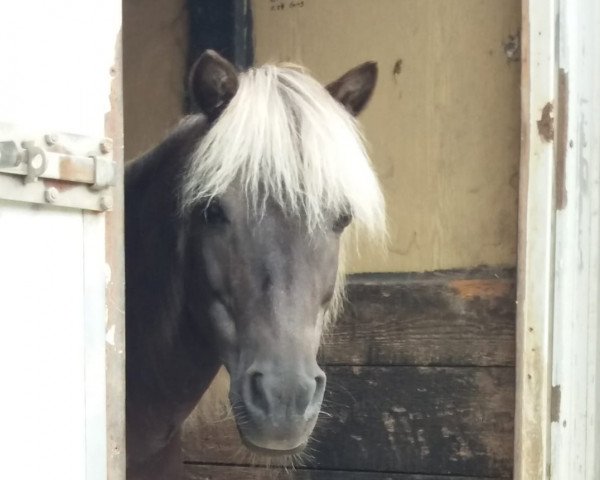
<point>223,472</point>
<point>445,318</point>
<point>426,420</point>
<point>443,124</point>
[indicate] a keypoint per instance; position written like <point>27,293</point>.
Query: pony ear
<point>353,89</point>
<point>213,83</point>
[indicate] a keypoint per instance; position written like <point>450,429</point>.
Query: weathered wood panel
<point>222,472</point>
<point>427,420</point>
<point>446,318</point>
<point>443,122</point>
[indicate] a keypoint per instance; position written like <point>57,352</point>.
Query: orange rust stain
<point>468,289</point>
<point>58,184</point>
<point>74,171</point>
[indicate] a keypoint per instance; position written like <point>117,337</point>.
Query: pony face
<point>272,283</point>
<point>275,181</point>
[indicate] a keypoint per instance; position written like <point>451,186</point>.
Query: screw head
<point>51,139</point>
<point>106,203</point>
<point>51,195</point>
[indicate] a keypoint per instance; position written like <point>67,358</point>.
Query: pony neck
<point>169,363</point>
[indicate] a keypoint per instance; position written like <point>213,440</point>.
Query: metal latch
<point>9,154</point>
<point>33,157</point>
<point>104,173</point>
<point>36,161</point>
<point>62,169</point>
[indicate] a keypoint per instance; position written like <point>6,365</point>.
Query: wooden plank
<point>575,329</point>
<point>447,318</point>
<point>536,246</point>
<point>115,286</point>
<point>225,472</point>
<point>427,420</point>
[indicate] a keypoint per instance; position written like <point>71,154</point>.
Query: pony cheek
<point>215,261</point>
<point>319,326</point>
<point>225,330</point>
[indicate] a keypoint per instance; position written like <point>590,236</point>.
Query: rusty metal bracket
<point>60,169</point>
<point>104,173</point>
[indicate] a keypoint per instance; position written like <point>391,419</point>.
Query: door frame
<point>557,418</point>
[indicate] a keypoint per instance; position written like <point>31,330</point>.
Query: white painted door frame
<point>62,348</point>
<point>557,424</point>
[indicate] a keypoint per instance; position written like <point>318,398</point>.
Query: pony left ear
<point>354,89</point>
<point>213,83</point>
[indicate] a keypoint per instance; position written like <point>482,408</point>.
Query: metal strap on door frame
<point>61,169</point>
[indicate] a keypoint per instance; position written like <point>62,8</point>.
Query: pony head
<point>279,175</point>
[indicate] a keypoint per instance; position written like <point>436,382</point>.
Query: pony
<point>233,254</point>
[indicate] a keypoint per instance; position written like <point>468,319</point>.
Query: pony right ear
<point>213,83</point>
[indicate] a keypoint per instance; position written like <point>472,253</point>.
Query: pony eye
<point>214,214</point>
<point>342,222</point>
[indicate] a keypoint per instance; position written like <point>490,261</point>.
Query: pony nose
<point>281,395</point>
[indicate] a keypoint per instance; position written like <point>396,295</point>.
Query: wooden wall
<point>420,383</point>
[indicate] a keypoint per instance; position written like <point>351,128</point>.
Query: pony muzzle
<point>279,410</point>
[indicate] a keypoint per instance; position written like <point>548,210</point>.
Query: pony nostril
<point>258,398</point>
<point>320,388</point>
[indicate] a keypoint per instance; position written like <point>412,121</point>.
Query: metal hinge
<point>60,169</point>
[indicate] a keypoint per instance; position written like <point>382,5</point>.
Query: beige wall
<point>155,39</point>
<point>443,123</point>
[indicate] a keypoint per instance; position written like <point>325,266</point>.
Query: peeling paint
<point>555,403</point>
<point>388,422</point>
<point>397,69</point>
<point>486,289</point>
<point>512,47</point>
<point>546,123</point>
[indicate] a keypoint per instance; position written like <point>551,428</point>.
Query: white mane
<point>283,136</point>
